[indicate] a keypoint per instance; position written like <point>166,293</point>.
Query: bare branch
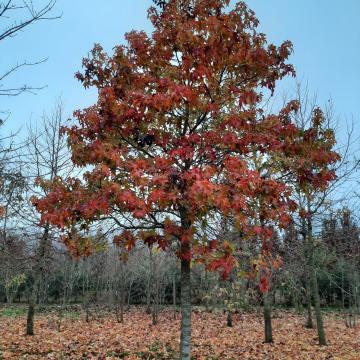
<point>33,16</point>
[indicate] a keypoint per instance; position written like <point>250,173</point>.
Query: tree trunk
<point>207,295</point>
<point>267,318</point>
<point>155,314</point>
<point>60,313</point>
<point>174,295</point>
<point>314,286</point>
<point>39,259</point>
<point>87,312</point>
<point>119,298</point>
<point>122,295</point>
<point>185,341</point>
<point>309,321</point>
<point>8,295</point>
<point>319,320</point>
<point>342,287</point>
<point>148,295</point>
<point>155,309</point>
<point>129,296</point>
<point>30,318</point>
<point>229,322</point>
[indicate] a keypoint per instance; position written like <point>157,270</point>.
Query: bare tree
<point>46,158</point>
<point>314,202</point>
<point>12,184</point>
<point>15,16</point>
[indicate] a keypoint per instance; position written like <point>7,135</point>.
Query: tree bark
<point>229,322</point>
<point>30,318</point>
<point>155,308</point>
<point>267,318</point>
<point>129,295</point>
<point>185,341</point>
<point>314,286</point>
<point>31,306</point>
<point>148,289</point>
<point>122,303</point>
<point>39,259</point>
<point>309,321</point>
<point>185,285</point>
<point>174,295</point>
<point>342,287</point>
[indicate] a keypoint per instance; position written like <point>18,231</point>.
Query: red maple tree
<point>167,146</point>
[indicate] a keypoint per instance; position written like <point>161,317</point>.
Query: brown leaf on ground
<point>137,338</point>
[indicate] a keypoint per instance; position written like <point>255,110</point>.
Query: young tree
<point>16,16</point>
<point>313,194</point>
<point>12,242</point>
<point>167,143</point>
<point>310,193</point>
<point>46,156</point>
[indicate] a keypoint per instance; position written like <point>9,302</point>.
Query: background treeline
<point>149,276</point>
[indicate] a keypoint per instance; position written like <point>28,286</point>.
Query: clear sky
<point>325,34</point>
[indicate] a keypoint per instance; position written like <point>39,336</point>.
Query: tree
<point>313,195</point>
<point>16,15</point>
<point>167,144</point>
<point>310,194</point>
<point>12,249</point>
<point>46,156</point>
<point>340,238</point>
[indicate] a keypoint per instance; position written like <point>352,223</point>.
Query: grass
<point>12,311</point>
<point>74,315</point>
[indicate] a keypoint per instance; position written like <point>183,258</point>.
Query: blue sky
<point>325,34</point>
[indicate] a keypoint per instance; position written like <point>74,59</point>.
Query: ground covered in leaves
<point>104,338</point>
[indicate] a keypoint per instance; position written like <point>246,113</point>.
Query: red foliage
<point>178,119</point>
